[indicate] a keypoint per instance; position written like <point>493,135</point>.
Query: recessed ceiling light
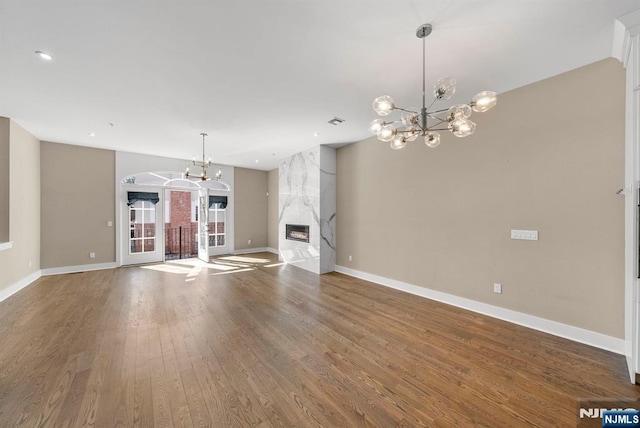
<point>44,55</point>
<point>317,134</point>
<point>92,134</point>
<point>257,161</point>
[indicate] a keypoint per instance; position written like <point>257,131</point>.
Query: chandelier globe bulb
<point>444,88</point>
<point>383,105</point>
<point>387,133</point>
<point>376,125</point>
<point>483,101</point>
<point>432,139</point>
<point>398,142</point>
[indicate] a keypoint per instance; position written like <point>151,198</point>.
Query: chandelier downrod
<point>422,33</point>
<point>203,136</point>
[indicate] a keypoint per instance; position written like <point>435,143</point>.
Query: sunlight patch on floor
<point>245,259</point>
<point>275,264</point>
<point>223,263</point>
<point>188,262</point>
<point>191,268</point>
<point>201,264</point>
<point>180,270</point>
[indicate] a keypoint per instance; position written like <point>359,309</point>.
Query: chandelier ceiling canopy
<point>425,122</point>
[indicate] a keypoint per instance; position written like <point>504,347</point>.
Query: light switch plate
<point>527,235</point>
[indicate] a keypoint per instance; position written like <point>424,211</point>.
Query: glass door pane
<point>142,227</point>
<point>217,226</point>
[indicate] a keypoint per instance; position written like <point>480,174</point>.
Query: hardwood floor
<point>250,342</point>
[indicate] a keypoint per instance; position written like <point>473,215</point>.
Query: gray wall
<point>77,202</point>
<point>548,157</point>
<point>250,209</point>
<point>23,259</point>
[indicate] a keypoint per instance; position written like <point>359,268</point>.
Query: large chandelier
<point>203,165</point>
<point>426,123</point>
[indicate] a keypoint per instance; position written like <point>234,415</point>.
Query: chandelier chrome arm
<point>405,109</point>
<point>438,129</point>
<point>416,123</point>
<point>440,120</point>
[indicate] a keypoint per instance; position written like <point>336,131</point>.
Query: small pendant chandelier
<point>426,123</point>
<point>203,166</point>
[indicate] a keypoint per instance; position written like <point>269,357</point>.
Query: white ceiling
<point>262,76</point>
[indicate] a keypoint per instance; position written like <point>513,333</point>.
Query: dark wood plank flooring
<point>247,341</point>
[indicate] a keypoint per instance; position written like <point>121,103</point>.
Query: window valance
<point>134,197</point>
<point>218,200</point>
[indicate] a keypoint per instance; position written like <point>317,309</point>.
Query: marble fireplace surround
<point>307,196</point>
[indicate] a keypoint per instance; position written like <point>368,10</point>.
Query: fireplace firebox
<point>297,232</point>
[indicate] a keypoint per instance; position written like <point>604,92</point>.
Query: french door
<point>142,226</point>
<point>217,227</point>
<point>212,225</point>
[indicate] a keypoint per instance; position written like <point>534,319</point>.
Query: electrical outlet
<point>249,242</point>
<point>497,288</point>
<point>92,255</point>
<point>109,223</point>
<point>350,258</point>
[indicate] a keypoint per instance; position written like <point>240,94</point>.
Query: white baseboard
<point>253,250</point>
<point>78,268</point>
<point>576,334</point>
<point>273,250</point>
<point>14,288</point>
<point>6,245</point>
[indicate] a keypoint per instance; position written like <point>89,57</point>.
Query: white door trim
<point>626,48</point>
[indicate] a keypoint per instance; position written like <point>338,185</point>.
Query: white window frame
<point>213,218</point>
<point>146,207</point>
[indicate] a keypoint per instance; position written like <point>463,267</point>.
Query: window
<point>217,217</point>
<point>142,227</point>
